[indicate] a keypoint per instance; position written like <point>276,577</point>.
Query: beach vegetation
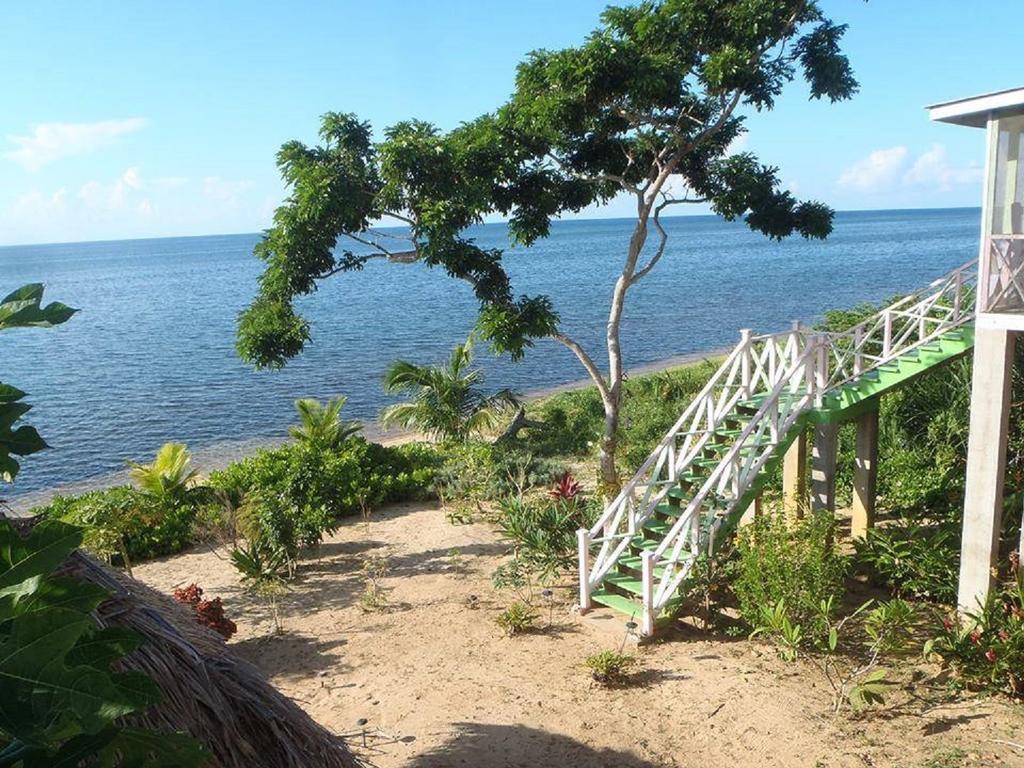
<point>517,619</point>
<point>447,402</point>
<point>263,570</point>
<point>785,570</point>
<point>985,647</point>
<point>610,668</point>
<point>208,612</point>
<point>320,424</point>
<point>649,105</point>
<point>169,478</point>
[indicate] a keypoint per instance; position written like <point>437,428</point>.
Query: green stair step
<point>621,604</point>
<point>625,582</point>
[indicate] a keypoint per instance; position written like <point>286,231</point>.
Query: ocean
<point>150,357</point>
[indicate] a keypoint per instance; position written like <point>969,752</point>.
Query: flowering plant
<point>986,648</point>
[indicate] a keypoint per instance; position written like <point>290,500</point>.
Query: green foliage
<point>650,405</point>
<point>479,471</point>
<point>262,568</point>
<point>542,532</point>
<point>55,667</point>
<point>986,648</point>
<point>790,566</point>
<point>517,619</point>
<point>168,478</point>
<point>447,402</point>
<point>23,309</point>
<point>321,426</point>
<point>610,668</point>
<point>295,494</point>
<point>914,559</point>
<point>654,88</point>
<point>856,680</point>
<point>124,525</point>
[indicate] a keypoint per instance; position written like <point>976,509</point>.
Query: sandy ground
<point>438,684</point>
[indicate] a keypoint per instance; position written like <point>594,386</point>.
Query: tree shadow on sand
<point>484,745</point>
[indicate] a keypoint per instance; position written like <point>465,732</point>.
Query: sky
<point>143,119</point>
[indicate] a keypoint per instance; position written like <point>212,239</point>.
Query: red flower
<point>976,637</point>
<point>947,623</point>
<point>991,656</point>
<point>1004,635</point>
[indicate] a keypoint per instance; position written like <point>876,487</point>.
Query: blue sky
<point>135,119</point>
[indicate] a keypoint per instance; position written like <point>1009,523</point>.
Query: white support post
<point>986,464</point>
<point>647,576</point>
<point>795,334</point>
<point>745,362</point>
<point>583,546</point>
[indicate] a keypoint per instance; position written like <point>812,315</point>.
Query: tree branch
<point>588,363</point>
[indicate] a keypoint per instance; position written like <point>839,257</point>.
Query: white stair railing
<point>793,371</point>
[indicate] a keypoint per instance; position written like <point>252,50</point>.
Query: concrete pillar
<point>986,463</point>
<point>823,467</point>
<point>794,476</point>
<point>865,473</point>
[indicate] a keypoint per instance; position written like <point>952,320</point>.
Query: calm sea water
<point>150,357</point>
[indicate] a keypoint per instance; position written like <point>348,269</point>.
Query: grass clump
<point>517,619</point>
<point>610,668</point>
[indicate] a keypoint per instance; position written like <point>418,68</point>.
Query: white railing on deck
<point>794,371</point>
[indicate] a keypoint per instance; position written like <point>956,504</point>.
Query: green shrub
<point>542,532</point>
<point>517,619</point>
<point>914,559</point>
<point>792,563</point>
<point>610,668</point>
<point>477,472</point>
<point>125,525</point>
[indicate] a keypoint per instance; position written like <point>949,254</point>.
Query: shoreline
<point>218,455</point>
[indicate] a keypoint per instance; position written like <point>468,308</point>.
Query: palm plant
<point>320,425</point>
<point>447,402</point>
<point>168,477</point>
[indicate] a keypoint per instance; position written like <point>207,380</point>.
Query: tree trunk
<point>610,481</point>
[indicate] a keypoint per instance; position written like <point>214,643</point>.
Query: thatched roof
<point>219,699</point>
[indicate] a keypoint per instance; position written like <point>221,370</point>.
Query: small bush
<point>477,472</point>
<point>542,531</point>
<point>610,668</point>
<point>913,559</point>
<point>986,648</point>
<point>124,525</point>
<point>517,619</point>
<point>788,565</point>
<point>209,613</point>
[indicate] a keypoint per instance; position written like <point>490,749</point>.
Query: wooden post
<point>823,467</point>
<point>986,463</point>
<point>583,547</point>
<point>794,476</point>
<point>865,473</point>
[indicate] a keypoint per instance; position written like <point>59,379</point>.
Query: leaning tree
<point>648,106</point>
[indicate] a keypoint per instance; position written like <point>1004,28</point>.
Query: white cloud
<point>934,170</point>
<point>134,205</point>
<point>52,141</point>
<point>877,169</point>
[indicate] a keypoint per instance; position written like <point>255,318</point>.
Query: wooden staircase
<point>694,488</point>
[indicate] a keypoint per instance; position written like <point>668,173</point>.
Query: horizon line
<point>485,223</point>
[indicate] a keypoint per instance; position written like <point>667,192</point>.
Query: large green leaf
<point>23,308</point>
<point>46,547</point>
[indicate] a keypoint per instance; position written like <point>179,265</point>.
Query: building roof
<point>975,111</point>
